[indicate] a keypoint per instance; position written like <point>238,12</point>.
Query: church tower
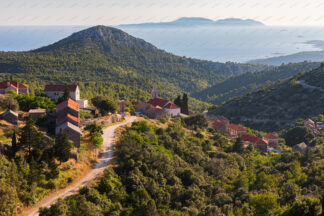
<point>154,93</point>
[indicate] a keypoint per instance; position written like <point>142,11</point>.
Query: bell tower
<point>154,93</point>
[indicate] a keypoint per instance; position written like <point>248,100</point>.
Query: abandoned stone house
<point>73,132</point>
<point>10,116</point>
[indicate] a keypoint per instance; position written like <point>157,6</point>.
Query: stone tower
<point>154,93</point>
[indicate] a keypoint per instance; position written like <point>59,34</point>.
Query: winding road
<point>104,160</point>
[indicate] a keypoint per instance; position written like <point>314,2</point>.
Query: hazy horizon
<point>113,12</point>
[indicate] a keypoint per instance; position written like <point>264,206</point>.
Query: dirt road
<point>104,160</point>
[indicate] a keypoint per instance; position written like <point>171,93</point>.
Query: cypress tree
<point>184,107</point>
<point>14,147</point>
<point>178,101</point>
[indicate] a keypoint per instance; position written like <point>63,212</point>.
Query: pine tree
<point>184,107</point>
<point>62,147</point>
<point>31,141</point>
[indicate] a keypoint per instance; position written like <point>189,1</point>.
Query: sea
<point>221,44</point>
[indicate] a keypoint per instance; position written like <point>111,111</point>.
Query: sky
<point>114,12</point>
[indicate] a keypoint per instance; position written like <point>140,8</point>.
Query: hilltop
<point>116,58</point>
<point>279,105</point>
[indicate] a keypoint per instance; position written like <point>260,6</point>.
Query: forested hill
<point>244,83</point>
<point>110,55</point>
<point>280,105</point>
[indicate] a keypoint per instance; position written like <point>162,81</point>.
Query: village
<point>66,116</point>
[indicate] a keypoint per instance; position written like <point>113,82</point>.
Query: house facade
<point>56,91</point>
<point>19,88</point>
<point>73,132</point>
<point>68,118</point>
<point>235,131</point>
<point>223,126</point>
<point>255,141</point>
<point>273,140</point>
<point>37,113</point>
<point>149,110</point>
<point>309,123</point>
<point>68,107</point>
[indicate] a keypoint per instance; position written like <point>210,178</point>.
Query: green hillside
<point>110,55</point>
<point>241,84</point>
<point>171,171</point>
<point>277,106</point>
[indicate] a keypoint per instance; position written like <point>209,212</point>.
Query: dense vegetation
<point>101,57</point>
<point>277,106</point>
<point>28,168</point>
<point>173,172</point>
<point>242,84</point>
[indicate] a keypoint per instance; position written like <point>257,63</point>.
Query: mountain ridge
<point>277,106</point>
<point>198,21</point>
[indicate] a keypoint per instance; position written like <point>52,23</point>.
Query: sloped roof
<point>68,125</point>
<point>236,127</point>
<point>60,87</point>
<point>253,139</point>
<point>9,112</point>
<point>171,106</point>
<point>301,145</point>
<point>271,136</point>
<point>4,85</point>
<point>37,111</point>
<point>158,102</point>
<point>219,123</point>
<point>68,116</point>
<point>68,104</point>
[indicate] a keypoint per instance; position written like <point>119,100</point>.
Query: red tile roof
<point>271,136</point>
<point>236,127</point>
<point>252,139</point>
<point>4,85</point>
<point>171,106</point>
<point>68,104</point>
<point>219,123</point>
<point>60,88</point>
<point>158,102</point>
<point>63,117</point>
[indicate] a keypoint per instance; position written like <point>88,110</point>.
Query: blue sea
<point>222,44</point>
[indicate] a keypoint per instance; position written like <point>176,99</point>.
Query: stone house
<point>37,113</point>
<point>234,131</point>
<point>257,142</point>
<point>10,116</point>
<point>301,147</point>
<point>272,140</point>
<point>67,118</point>
<point>68,107</point>
<point>73,132</point>
<point>150,111</point>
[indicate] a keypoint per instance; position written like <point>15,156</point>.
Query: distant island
<point>198,21</point>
